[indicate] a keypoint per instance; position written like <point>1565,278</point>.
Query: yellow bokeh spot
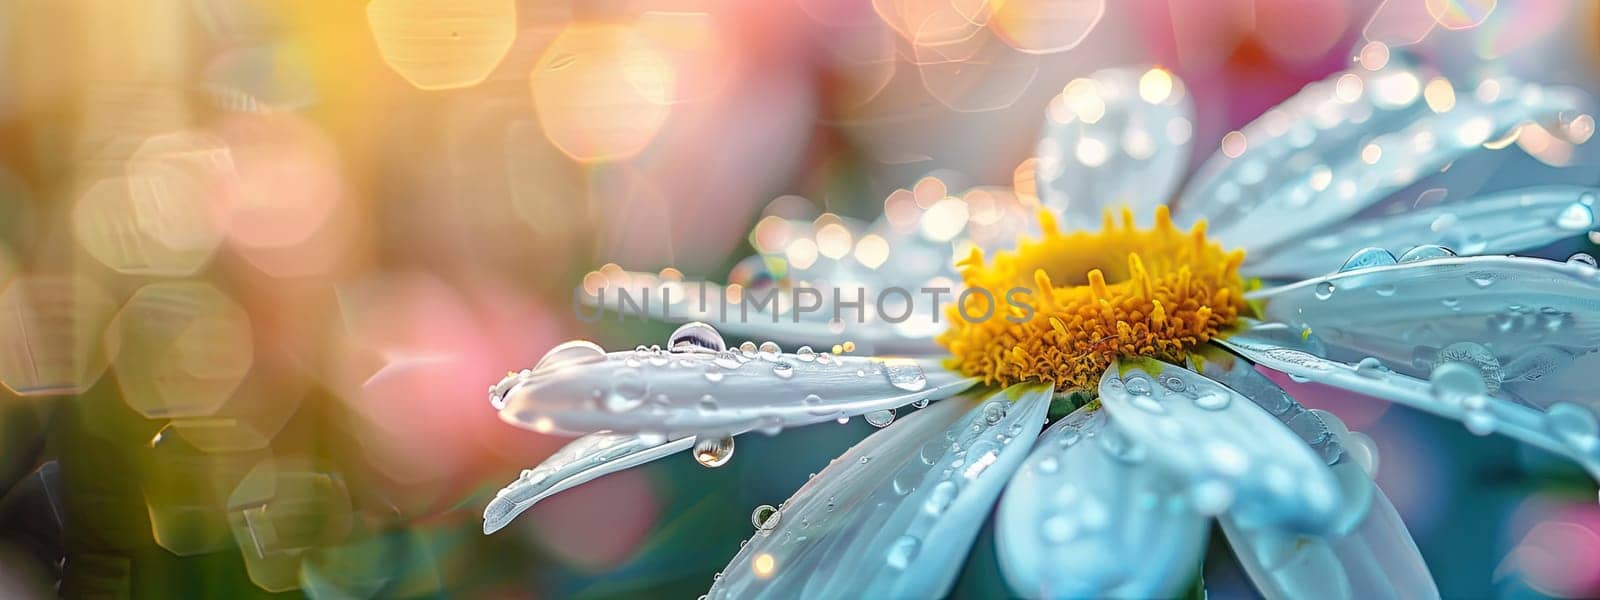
<point>443,44</point>
<point>602,92</point>
<point>1094,296</point>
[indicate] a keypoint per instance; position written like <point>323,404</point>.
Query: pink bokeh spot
<point>623,505</point>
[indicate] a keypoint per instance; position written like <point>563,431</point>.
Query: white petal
<point>1109,142</point>
<point>1317,160</point>
<point>1079,521</point>
<point>580,461</point>
<point>1370,556</point>
<point>702,393</point>
<point>895,516</point>
<point>1230,454</point>
<point>1495,224</point>
<point>1567,429</point>
<point>1534,323</point>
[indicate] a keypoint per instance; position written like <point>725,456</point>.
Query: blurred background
<point>259,260</point>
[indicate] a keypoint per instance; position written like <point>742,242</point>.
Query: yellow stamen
<point>1095,296</point>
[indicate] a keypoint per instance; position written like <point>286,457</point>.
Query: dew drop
<point>570,353</point>
<point>813,400</point>
<point>1426,252</point>
<point>727,359</point>
<point>770,350</point>
<point>708,403</point>
<point>993,412</point>
<point>1481,279</point>
<point>1384,290</point>
<point>1478,357</point>
<point>1212,400</point>
<point>902,552</point>
<point>920,403</point>
<point>713,452</point>
<point>1576,216</point>
<point>1137,385</point>
<point>628,390</point>
<point>765,517</point>
<point>940,497</point>
<point>696,336</point>
<point>805,354</point>
<point>1324,290</point>
<point>1367,258</point>
<point>1582,260</point>
<point>1047,465</point>
<point>783,370</point>
<point>905,374</point>
<point>880,418</point>
<point>1574,425</point>
<point>748,349</point>
<point>1371,368</point>
<point>1454,380</point>
<point>713,375</point>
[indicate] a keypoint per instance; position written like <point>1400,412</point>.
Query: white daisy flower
<point>1155,329</point>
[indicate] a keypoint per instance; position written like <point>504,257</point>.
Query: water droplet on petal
<point>805,354</point>
<point>708,403</point>
<point>1426,252</point>
<point>1582,260</point>
<point>1212,400</point>
<point>783,370</point>
<point>920,403</point>
<point>713,452</point>
<point>1574,425</point>
<point>940,498</point>
<point>902,552</point>
<point>1325,290</point>
<point>628,390</point>
<point>691,336</point>
<point>770,350</point>
<point>570,353</point>
<point>1478,357</point>
<point>1371,368</point>
<point>1367,258</point>
<point>904,373</point>
<point>880,418</point>
<point>1576,216</point>
<point>1454,380</point>
<point>765,517</point>
<point>993,412</point>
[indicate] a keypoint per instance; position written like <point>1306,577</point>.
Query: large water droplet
<point>691,336</point>
<point>1454,380</point>
<point>713,452</point>
<point>1371,368</point>
<point>770,350</point>
<point>905,374</point>
<point>570,353</point>
<point>1211,400</point>
<point>1478,357</point>
<point>765,517</point>
<point>1583,260</point>
<point>1426,252</point>
<point>880,418</point>
<point>628,390</point>
<point>1577,216</point>
<point>805,354</point>
<point>1367,258</point>
<point>1324,290</point>
<point>940,497</point>
<point>1574,425</point>
<point>993,412</point>
<point>748,349</point>
<point>902,552</point>
<point>783,370</point>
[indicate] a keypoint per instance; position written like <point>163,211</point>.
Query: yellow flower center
<point>1095,296</point>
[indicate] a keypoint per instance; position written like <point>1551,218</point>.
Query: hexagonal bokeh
<point>50,334</point>
<point>181,349</point>
<point>442,45</point>
<point>282,509</point>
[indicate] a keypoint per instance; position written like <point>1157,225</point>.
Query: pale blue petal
<point>583,460</point>
<point>1369,555</point>
<point>895,516</point>
<point>1079,520</point>
<point>1498,223</point>
<point>702,393</point>
<point>1566,429</point>
<point>1317,160</point>
<point>1532,324</point>
<point>1229,453</point>
<point>1105,145</point>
